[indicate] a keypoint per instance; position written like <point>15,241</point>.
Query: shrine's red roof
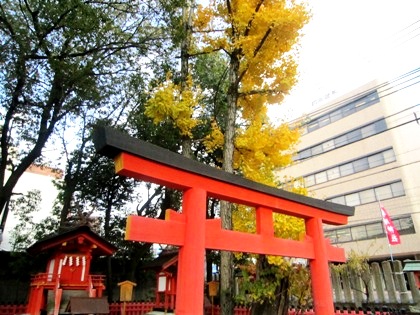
<point>82,235</point>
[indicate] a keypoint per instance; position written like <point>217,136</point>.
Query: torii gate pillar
<point>192,255</point>
<point>320,273</point>
<point>193,233</point>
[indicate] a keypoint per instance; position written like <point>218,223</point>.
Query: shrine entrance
<point>193,233</point>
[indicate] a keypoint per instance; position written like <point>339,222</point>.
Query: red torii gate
<point>193,233</point>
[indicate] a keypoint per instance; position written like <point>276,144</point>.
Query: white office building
<point>34,178</point>
<point>363,149</point>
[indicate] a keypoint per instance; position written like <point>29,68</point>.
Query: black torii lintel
<point>110,142</point>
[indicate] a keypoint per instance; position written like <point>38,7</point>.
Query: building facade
<point>363,149</point>
<point>35,178</point>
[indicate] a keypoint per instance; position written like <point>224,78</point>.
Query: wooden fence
<point>142,308</point>
<point>381,284</point>
<point>12,309</point>
<point>130,308</point>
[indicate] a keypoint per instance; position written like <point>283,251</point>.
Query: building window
<point>355,166</point>
<point>341,112</point>
<point>405,225</point>
<point>397,189</point>
<point>358,232</point>
<point>339,199</point>
<point>365,196</point>
<point>352,199</point>
<point>376,160</point>
<point>341,140</point>
<point>368,131</point>
<point>333,173</point>
<point>317,150</point>
<point>371,230</point>
<point>305,154</point>
<point>343,235</point>
<point>321,177</point>
<point>383,192</point>
<point>375,230</point>
<point>346,169</point>
<point>389,156</point>
<point>337,115</point>
<point>354,136</point>
<point>328,145</point>
<point>309,180</point>
<point>360,165</point>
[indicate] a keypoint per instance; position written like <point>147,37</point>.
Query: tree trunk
<point>226,258</point>
<point>226,283</point>
<point>187,12</point>
<point>283,306</point>
<point>70,187</point>
<point>278,306</point>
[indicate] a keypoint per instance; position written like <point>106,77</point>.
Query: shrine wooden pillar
<point>192,254</point>
<point>37,300</point>
<point>320,272</point>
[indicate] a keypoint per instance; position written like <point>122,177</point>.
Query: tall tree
<point>56,59</point>
<point>258,37</point>
<point>187,14</point>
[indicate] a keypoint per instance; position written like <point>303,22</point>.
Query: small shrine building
<point>165,267</point>
<point>68,269</point>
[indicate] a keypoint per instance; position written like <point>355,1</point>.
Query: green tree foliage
<point>59,59</point>
<point>29,230</point>
<point>268,288</point>
<point>65,65</point>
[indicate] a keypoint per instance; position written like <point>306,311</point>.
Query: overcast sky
<point>348,43</point>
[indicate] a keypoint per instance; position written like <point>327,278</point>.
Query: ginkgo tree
<point>257,39</point>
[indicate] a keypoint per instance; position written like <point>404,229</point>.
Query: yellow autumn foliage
<point>215,139</point>
<point>169,102</point>
<point>262,34</point>
<point>261,148</point>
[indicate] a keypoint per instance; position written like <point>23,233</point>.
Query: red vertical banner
<point>391,231</point>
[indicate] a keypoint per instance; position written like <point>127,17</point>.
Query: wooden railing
<point>142,308</point>
<point>12,309</point>
<point>131,308</point>
<point>43,279</point>
<point>48,279</point>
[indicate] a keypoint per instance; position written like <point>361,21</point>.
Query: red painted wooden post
<point>264,222</point>
<point>36,300</point>
<point>189,296</point>
<point>320,274</point>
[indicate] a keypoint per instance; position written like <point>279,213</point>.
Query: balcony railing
<point>49,279</point>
